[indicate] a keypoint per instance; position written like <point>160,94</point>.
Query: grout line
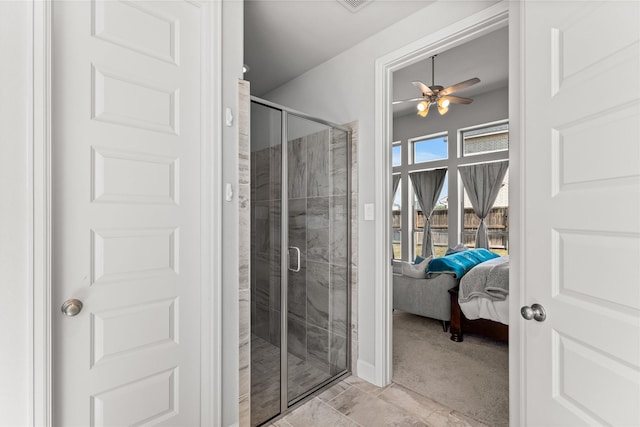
<point>341,414</point>
<point>336,396</point>
<point>285,421</point>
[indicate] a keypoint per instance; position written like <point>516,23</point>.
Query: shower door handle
<point>295,270</point>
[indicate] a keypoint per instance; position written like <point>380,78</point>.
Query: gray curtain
<point>483,183</point>
<point>427,186</point>
<point>396,181</point>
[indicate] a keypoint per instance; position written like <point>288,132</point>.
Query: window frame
<point>462,131</point>
<point>412,150</point>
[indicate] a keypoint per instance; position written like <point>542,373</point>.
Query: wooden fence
<point>497,223</point>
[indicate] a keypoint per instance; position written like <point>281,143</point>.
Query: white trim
<point>366,371</point>
<point>460,32</point>
<point>40,221</point>
<point>517,381</point>
<point>216,330</point>
<point>211,166</point>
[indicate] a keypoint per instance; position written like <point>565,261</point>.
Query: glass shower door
<point>266,230</point>
<point>299,258</point>
<point>317,255</point>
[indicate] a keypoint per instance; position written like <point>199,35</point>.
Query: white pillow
<point>417,271</point>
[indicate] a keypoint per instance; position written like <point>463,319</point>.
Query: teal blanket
<point>460,263</point>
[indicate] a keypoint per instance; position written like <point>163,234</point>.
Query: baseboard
<point>366,371</point>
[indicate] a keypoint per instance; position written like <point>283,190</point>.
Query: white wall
<point>342,90</point>
<point>14,214</point>
<point>487,107</point>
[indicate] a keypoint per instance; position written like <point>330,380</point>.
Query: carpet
<point>471,377</point>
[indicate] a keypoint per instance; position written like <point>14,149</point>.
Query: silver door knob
<point>536,311</point>
<point>71,307</point>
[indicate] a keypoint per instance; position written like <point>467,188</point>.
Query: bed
<point>480,304</point>
<point>423,288</point>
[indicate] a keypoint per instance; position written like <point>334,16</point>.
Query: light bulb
<point>443,106</point>
<point>423,109</point>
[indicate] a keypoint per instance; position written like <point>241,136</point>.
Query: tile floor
<point>355,402</point>
<point>265,378</point>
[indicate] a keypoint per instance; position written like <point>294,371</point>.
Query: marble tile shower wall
<point>265,243</point>
<point>317,296</point>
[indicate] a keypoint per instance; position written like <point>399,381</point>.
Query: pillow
<point>418,259</point>
<point>459,263</point>
<point>457,248</point>
<point>417,271</point>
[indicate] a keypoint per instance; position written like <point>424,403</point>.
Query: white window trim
<point>412,144</point>
<point>480,126</point>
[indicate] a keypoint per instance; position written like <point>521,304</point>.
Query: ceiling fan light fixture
<point>443,106</point>
<point>423,109</point>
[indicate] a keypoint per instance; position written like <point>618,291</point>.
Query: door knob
<point>71,307</point>
<point>536,311</point>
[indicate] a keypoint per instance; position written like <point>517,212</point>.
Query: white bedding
<point>484,308</point>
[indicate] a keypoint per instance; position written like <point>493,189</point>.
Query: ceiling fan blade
<point>458,99</point>
<point>423,88</point>
<point>459,86</point>
<point>406,100</point>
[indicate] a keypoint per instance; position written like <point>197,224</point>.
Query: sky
<point>431,149</point>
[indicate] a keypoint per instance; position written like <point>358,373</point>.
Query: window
<point>497,221</point>
<point>430,149</point>
<point>396,223</point>
<point>439,223</point>
<point>396,154</point>
<point>488,139</point>
<point>453,220</point>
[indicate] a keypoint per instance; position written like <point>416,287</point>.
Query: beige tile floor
<point>355,402</point>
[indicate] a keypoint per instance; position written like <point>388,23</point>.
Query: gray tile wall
<point>318,223</point>
<point>245,243</point>
<point>318,226</point>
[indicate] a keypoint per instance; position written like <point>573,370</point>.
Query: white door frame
<point>39,155</point>
<point>490,19</point>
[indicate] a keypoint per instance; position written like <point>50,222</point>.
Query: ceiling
<point>286,38</point>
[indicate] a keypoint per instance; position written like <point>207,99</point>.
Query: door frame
<point>497,16</point>
<point>40,309</point>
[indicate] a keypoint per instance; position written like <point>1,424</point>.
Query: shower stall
<point>300,257</point>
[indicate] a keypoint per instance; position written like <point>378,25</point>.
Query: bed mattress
<point>484,308</point>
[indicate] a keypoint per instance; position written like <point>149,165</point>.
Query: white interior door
<point>126,146</point>
<point>582,212</point>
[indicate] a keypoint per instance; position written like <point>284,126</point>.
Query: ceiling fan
<point>439,95</point>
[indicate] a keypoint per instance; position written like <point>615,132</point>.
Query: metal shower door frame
<point>284,249</point>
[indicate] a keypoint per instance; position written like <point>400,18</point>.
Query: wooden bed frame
<point>459,323</point>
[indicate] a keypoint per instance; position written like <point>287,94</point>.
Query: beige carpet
<point>470,377</point>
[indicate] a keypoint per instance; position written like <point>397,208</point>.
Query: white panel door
<point>126,145</point>
<point>582,212</point>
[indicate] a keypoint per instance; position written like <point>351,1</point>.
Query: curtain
<point>427,186</point>
<point>483,183</point>
<point>396,182</point>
